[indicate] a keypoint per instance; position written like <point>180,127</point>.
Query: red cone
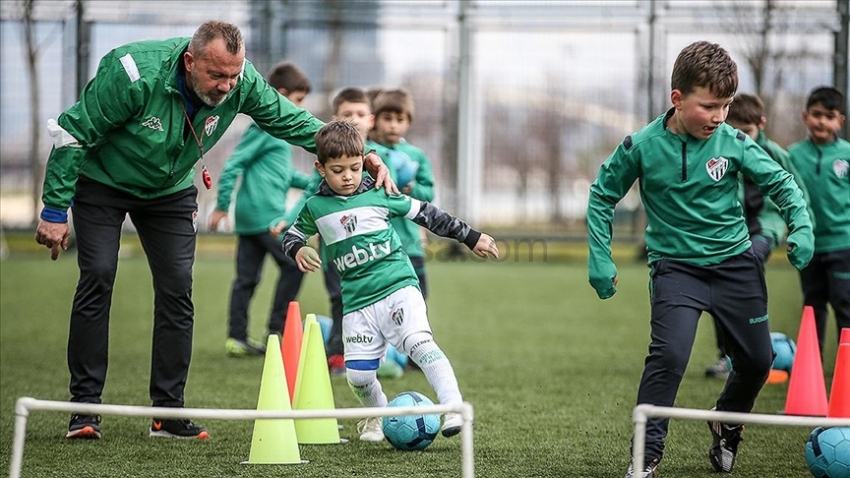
<point>807,389</point>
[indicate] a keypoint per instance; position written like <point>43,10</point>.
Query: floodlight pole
<point>469,129</point>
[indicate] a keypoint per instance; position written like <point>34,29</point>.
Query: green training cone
<point>274,440</point>
<point>313,389</point>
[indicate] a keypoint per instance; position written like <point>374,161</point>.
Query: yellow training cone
<point>274,440</point>
<point>313,389</point>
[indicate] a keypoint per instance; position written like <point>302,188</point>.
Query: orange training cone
<point>274,440</point>
<point>313,390</point>
<point>807,389</point>
<point>845,336</point>
<point>839,398</point>
<point>290,347</point>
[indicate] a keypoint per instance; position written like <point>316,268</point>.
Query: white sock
<point>366,387</point>
<point>422,349</point>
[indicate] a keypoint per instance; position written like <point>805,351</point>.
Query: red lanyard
<point>205,175</point>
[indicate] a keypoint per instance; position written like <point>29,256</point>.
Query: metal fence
<point>517,102</point>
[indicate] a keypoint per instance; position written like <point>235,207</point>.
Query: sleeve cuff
<point>472,238</point>
<point>52,214</point>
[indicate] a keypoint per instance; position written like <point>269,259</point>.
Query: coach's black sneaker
<point>84,426</point>
<point>648,470</point>
<point>724,445</point>
<point>177,429</point>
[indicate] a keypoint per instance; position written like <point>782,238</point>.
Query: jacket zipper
<point>820,158</point>
<point>684,161</point>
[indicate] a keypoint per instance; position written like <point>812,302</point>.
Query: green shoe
<point>239,348</point>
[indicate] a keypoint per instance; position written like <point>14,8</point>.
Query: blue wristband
<point>52,214</point>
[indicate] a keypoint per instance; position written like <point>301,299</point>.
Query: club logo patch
<point>210,125</point>
<point>153,123</point>
<point>717,167</point>
<point>841,167</point>
<point>349,223</point>
<point>397,316</point>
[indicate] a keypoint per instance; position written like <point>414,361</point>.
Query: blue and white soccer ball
<point>411,432</point>
<point>785,348</point>
<point>828,452</point>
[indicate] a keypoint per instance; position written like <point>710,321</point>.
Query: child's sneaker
<point>451,424</point>
<point>336,365</point>
<point>84,426</point>
<point>243,348</point>
<point>720,369</point>
<point>370,429</point>
<point>724,445</point>
<point>648,470</point>
<point>177,429</point>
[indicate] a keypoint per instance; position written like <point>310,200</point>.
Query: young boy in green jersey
<point>265,165</point>
<point>380,292</point>
<point>393,109</point>
<point>764,222</point>
<point>699,251</point>
<point>823,161</point>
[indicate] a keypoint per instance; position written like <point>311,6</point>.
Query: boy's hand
<point>486,245</point>
<point>276,229</point>
<point>215,218</point>
<point>378,170</point>
<point>307,259</point>
<point>605,284</point>
<point>801,248</point>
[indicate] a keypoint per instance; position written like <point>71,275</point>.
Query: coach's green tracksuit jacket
<point>367,252</point>
<point>265,164</point>
<point>421,188</point>
<point>689,188</point>
<point>825,169</point>
<point>127,129</point>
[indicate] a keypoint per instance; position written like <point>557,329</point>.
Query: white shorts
<point>366,332</point>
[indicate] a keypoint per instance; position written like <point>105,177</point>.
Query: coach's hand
<point>603,279</point>
<point>378,170</point>
<point>54,236</point>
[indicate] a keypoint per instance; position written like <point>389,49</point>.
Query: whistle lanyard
<point>205,174</point>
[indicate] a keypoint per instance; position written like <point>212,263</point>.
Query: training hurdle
<point>25,405</point>
<point>642,412</point>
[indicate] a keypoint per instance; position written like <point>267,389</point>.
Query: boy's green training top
<point>689,188</point>
<point>355,230</point>
<point>825,169</point>
<point>422,189</point>
<point>265,164</point>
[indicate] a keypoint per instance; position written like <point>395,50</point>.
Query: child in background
<point>393,109</point>
<point>381,300</point>
<point>823,161</point>
<point>764,223</point>
<point>699,250</point>
<point>265,165</point>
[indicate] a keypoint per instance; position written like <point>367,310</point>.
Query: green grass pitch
<point>551,371</point>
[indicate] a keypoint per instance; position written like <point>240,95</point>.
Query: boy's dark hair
<point>373,93</point>
<point>828,97</point>
<point>350,95</point>
<point>704,64</point>
<point>746,109</point>
<point>336,139</point>
<point>393,101</point>
<point>213,29</point>
<point>288,76</point>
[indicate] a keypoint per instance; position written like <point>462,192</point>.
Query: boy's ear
<point>676,98</point>
<point>762,122</point>
<point>320,168</point>
<point>841,119</point>
<point>283,91</point>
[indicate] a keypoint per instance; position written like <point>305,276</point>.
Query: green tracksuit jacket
<point>422,188</point>
<point>127,129</point>
<point>825,169</point>
<point>689,188</point>
<point>265,164</point>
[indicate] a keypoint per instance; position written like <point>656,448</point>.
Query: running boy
<point>381,299</point>
<point>700,255</point>
<point>823,160</point>
<point>265,165</point>
<point>764,222</point>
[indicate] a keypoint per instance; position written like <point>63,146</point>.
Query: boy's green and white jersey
<point>356,232</point>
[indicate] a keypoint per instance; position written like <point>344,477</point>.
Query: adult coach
<point>129,146</point>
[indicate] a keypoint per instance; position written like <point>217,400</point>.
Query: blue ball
<point>396,356</point>
<point>405,168</point>
<point>785,349</point>
<point>828,452</point>
<point>411,432</point>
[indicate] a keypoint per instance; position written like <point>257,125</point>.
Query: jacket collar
<point>365,185</point>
